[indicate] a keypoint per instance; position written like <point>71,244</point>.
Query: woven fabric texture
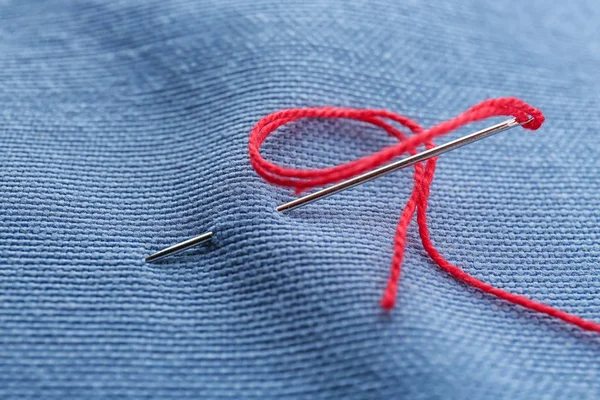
<point>124,129</point>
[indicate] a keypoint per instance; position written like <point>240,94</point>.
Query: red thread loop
<point>306,179</point>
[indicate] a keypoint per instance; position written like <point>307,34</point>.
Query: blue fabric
<point>123,129</point>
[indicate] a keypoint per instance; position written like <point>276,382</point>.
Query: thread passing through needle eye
<point>355,181</point>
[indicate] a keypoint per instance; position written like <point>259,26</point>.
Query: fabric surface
<point>124,128</point>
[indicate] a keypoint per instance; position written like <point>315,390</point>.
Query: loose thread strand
<point>302,179</point>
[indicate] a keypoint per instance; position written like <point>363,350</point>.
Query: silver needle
<point>407,162</point>
<point>357,180</point>
<point>179,247</point>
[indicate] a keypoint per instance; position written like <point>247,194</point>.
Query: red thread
<point>302,180</point>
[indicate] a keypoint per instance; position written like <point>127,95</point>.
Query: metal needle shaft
<point>358,180</point>
<point>407,162</point>
<point>178,248</point>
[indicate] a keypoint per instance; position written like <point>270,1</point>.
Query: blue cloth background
<point>123,129</point>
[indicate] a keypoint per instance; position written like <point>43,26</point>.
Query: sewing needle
<point>407,162</point>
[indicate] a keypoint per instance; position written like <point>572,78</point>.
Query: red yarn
<point>302,180</point>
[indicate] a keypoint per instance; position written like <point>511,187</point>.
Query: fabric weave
<point>124,128</point>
